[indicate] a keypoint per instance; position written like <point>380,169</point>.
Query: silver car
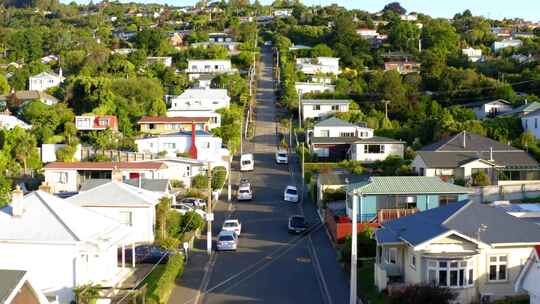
<point>244,193</point>
<point>227,240</point>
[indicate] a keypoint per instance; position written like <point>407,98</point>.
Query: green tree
<point>4,85</point>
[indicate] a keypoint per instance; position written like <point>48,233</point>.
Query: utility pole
<point>229,194</point>
<point>299,109</point>
<point>354,250</point>
<point>386,102</point>
<point>209,213</point>
<point>290,133</point>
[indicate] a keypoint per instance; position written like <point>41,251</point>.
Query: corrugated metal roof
<point>9,279</point>
<point>116,193</point>
<point>406,185</point>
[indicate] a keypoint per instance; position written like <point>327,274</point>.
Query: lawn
<point>366,288</point>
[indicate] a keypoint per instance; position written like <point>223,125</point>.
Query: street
<point>272,266</point>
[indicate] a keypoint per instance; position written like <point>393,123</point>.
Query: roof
<point>151,165</point>
<point>379,139</point>
<point>466,218</point>
<point>116,193</point>
<point>481,103</point>
<point>334,140</point>
<point>406,185</point>
<point>177,119</point>
<point>154,185</point>
<point>524,108</point>
<point>340,178</point>
<point>47,218</point>
<point>204,93</point>
<point>46,74</point>
<point>473,142</point>
<point>31,95</point>
<point>453,159</point>
<point>325,101</point>
<point>334,122</point>
<point>9,282</point>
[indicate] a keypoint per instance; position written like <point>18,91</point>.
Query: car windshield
<point>246,162</point>
<point>226,238</point>
<point>244,191</point>
<point>291,191</point>
<point>298,222</point>
<point>230,224</point>
<point>282,154</point>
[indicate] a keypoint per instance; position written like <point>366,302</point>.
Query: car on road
<point>245,181</point>
<point>244,192</point>
<point>233,225</point>
<point>145,254</point>
<point>282,157</point>
<point>290,194</point>
<point>183,209</point>
<point>227,240</point>
<point>297,224</point>
<point>246,162</point>
<point>194,202</point>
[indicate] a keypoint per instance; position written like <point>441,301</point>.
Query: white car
<point>244,193</point>
<point>227,240</point>
<point>232,225</point>
<point>290,194</point>
<point>246,162</point>
<point>193,202</point>
<point>282,157</point>
<point>183,209</point>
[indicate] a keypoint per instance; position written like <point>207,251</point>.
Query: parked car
<point>246,162</point>
<point>282,157</point>
<point>233,225</point>
<point>244,181</point>
<point>290,194</point>
<point>145,254</point>
<point>297,224</point>
<point>183,209</point>
<point>194,202</point>
<point>244,193</point>
<point>227,240</point>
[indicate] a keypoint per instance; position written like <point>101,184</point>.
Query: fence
<point>506,192</point>
<point>115,155</point>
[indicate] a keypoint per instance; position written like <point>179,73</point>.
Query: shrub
<point>190,221</point>
<point>219,174</point>
<point>174,219</point>
<point>366,246</point>
<point>195,193</point>
<point>66,153</point>
<point>164,285</point>
<point>353,166</point>
<point>480,178</point>
<point>175,183</point>
<point>199,181</point>
<point>162,210</point>
<point>170,243</point>
<point>332,195</point>
<point>422,293</point>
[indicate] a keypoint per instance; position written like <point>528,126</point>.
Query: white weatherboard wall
<point>531,123</point>
<point>312,87</point>
<point>215,117</point>
<point>209,66</point>
<point>531,283</point>
<point>338,131</point>
<point>357,152</point>
<point>208,147</point>
<point>494,107</point>
<point>322,110</point>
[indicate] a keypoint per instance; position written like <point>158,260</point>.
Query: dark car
<point>194,202</point>
<point>297,224</point>
<point>145,254</point>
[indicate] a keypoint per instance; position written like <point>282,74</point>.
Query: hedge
<point>165,284</point>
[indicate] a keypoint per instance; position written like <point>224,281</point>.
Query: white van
<point>246,162</point>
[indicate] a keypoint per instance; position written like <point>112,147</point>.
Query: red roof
<point>105,165</point>
<point>178,119</point>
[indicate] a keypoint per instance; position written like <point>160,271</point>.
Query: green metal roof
<point>406,185</point>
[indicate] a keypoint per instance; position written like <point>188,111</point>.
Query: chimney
<point>17,196</point>
<point>45,187</point>
<point>464,139</point>
<point>193,149</point>
<point>490,153</point>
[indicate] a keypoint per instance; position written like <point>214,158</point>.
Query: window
<point>151,126</point>
<point>497,268</point>
<point>335,108</point>
<point>374,149</point>
<point>413,261</point>
<point>390,255</point>
<point>126,218</point>
<point>346,134</point>
<point>316,107</point>
<point>60,177</point>
<point>103,122</point>
<point>453,274</point>
<point>445,199</point>
<point>169,146</point>
<point>325,133</point>
<point>535,122</point>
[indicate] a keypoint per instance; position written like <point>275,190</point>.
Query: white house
<point>129,205</point>
<point>166,61</point>
<point>68,177</point>
<point>214,117</point>
<point>61,245</point>
<point>208,147</point>
<point>196,68</point>
<point>531,123</point>
<point>506,43</point>
<point>201,99</point>
<point>409,17</point>
<point>321,108</point>
<point>489,109</point>
<point>314,87</point>
<point>376,148</point>
<point>473,54</point>
<point>44,81</point>
<point>8,121</point>
<point>530,276</point>
<point>282,12</point>
<point>367,33</point>
<point>476,250</point>
<point>319,65</point>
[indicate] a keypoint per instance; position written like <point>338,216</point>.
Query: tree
<point>404,36</point>
<point>395,7</point>
<point>422,293</point>
<point>4,85</point>
<point>480,179</point>
<point>321,50</point>
<point>219,174</point>
<point>199,181</point>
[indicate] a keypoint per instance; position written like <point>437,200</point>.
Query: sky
<point>497,9</point>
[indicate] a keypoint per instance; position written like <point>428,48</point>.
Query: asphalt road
<point>272,266</point>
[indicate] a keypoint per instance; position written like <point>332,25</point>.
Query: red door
<point>133,175</point>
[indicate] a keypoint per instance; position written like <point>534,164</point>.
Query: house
<point>166,61</point>
<point>336,181</point>
<point>410,17</point>
<point>195,68</point>
<point>530,122</point>
<point>313,88</point>
<point>321,108</point>
<point>529,277</point>
<point>523,109</point>
<point>161,186</point>
<point>489,109</point>
<point>367,33</point>
<point>214,118</point>
<point>376,148</point>
<point>525,35</point>
<point>45,80</point>
<point>319,65</point>
<point>129,205</point>
<point>502,32</point>
<point>476,250</point>
<point>19,99</point>
<point>403,66</point>
<point>198,99</point>
<point>124,35</point>
<point>16,288</point>
<point>461,156</point>
<point>62,246</point>
<point>222,39</point>
<point>474,55</point>
<point>167,125</point>
<point>207,146</point>
<point>68,177</point>
<point>175,39</point>
<point>506,43</point>
<point>8,121</point>
<point>96,122</point>
<point>282,12</point>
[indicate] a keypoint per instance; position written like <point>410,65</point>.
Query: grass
<point>366,287</point>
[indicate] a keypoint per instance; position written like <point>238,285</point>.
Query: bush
<point>422,293</point>
<point>164,285</point>
<point>170,243</point>
<point>66,153</point>
<point>174,219</point>
<point>480,179</point>
<point>199,181</point>
<point>353,166</point>
<point>190,221</point>
<point>332,195</point>
<point>366,246</point>
<point>195,193</point>
<point>177,183</point>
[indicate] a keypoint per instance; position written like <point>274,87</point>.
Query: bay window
<point>451,273</point>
